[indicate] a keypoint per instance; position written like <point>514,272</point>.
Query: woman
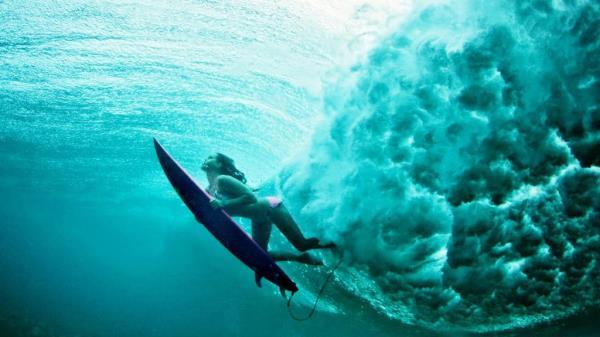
<point>228,185</point>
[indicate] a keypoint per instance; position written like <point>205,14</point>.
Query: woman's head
<point>222,164</point>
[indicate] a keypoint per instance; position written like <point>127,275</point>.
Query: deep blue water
<point>450,148</point>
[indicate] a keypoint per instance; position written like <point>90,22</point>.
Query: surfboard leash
<point>314,307</point>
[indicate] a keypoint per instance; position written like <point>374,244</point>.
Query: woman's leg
<point>283,220</point>
<point>289,256</point>
<point>261,232</point>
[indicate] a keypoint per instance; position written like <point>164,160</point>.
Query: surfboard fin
<point>257,278</point>
<point>282,292</point>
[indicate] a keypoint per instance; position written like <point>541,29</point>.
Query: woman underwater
<point>228,185</point>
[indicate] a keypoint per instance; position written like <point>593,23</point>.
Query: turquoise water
<point>449,148</point>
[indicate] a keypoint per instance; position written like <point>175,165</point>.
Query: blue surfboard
<point>221,226</point>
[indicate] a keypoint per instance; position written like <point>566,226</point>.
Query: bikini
<point>274,201</point>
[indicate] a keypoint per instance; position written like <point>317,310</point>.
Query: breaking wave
<point>457,166</point>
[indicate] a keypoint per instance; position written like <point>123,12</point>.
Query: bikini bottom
<point>274,201</point>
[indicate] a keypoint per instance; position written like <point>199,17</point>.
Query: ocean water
<point>450,148</point>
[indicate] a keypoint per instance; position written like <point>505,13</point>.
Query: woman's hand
<point>216,204</point>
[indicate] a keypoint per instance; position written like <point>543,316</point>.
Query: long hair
<point>228,167</point>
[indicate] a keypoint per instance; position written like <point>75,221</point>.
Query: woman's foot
<point>306,258</point>
<point>330,245</point>
<point>314,243</point>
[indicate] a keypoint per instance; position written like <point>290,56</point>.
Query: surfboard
<point>221,225</point>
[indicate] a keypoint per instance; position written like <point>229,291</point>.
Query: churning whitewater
<point>458,166</point>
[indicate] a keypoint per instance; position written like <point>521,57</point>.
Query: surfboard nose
<point>156,143</point>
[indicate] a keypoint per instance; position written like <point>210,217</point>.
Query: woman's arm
<point>242,195</point>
